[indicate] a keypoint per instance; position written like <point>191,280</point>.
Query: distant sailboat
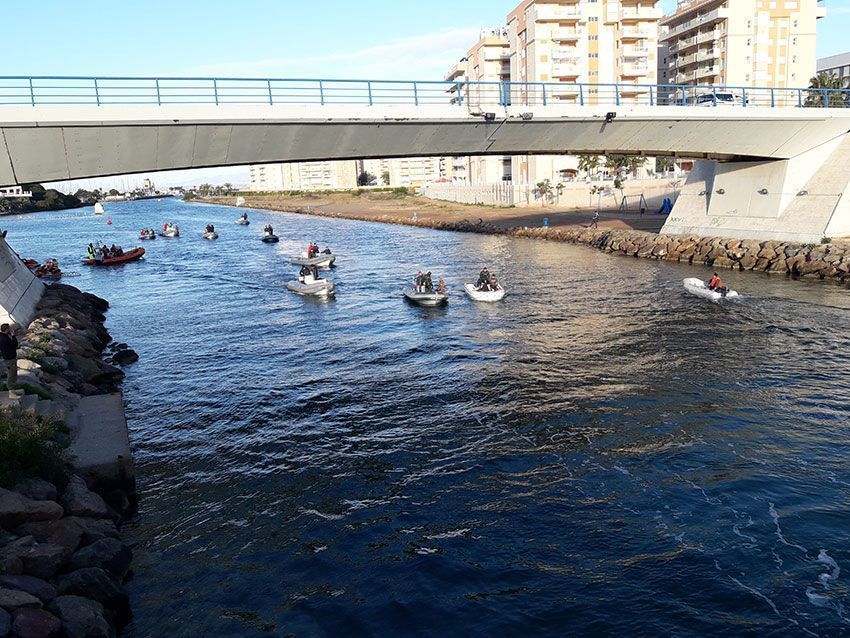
<point>98,209</point>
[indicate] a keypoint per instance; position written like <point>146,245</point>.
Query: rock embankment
<point>62,565</point>
<point>63,346</point>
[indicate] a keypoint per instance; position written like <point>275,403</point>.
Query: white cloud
<point>423,57</point>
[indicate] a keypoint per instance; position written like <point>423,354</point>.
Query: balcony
<point>632,14</point>
<point>566,68</point>
<point>634,69</point>
<point>675,30</point>
<point>557,13</point>
<point>566,36</point>
<point>630,33</point>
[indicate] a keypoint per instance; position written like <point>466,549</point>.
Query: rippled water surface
<point>599,454</point>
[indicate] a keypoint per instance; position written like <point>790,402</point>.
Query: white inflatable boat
<point>699,288</point>
<point>307,285</point>
<point>320,261</point>
<point>484,295</point>
<point>211,236</point>
<point>171,233</point>
<point>429,299</point>
<point>242,222</point>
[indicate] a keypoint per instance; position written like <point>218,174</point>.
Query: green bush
<point>28,451</point>
<point>826,240</point>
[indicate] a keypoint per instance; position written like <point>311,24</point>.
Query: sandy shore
<point>383,206</point>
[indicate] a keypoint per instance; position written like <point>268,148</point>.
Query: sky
<point>367,39</point>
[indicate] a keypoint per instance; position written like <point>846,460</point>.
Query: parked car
<point>720,98</point>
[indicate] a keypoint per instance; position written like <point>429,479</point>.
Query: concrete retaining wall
<point>20,290</point>
<point>573,195</point>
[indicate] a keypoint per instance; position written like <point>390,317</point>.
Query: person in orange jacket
<point>715,283</point>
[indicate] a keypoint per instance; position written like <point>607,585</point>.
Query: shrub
<point>27,449</point>
<point>826,240</point>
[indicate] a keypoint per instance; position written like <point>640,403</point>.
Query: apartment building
<point>487,61</point>
<point>762,43</point>
<point>836,64</point>
<point>304,176</point>
<point>571,42</point>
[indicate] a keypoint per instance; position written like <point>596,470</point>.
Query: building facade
<point>488,61</point>
<point>304,176</point>
<point>836,64</point>
<point>580,41</point>
<point>746,43</point>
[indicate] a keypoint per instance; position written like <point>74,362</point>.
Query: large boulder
<point>5,623</point>
<point>43,560</point>
<point>94,528</point>
<point>65,532</point>
<point>37,490</point>
<point>16,509</point>
<point>37,587</point>
<point>94,583</point>
<point>11,599</point>
<point>35,623</point>
<point>79,500</point>
<point>81,617</point>
<point>109,554</point>
<point>125,357</point>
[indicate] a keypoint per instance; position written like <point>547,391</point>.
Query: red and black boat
<point>131,255</point>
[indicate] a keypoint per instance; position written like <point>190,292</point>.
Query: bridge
<point>773,161</point>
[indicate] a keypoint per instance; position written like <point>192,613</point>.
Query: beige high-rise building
<point>746,43</point>
<point>304,176</point>
<point>487,61</point>
<point>570,42</point>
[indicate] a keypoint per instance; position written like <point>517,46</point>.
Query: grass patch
<point>27,449</point>
<point>31,389</point>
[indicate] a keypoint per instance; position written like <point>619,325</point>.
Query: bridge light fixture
<point>489,117</point>
<point>802,193</point>
<point>527,116</point>
<point>763,191</point>
<point>610,117</point>
<point>702,193</point>
<point>721,191</point>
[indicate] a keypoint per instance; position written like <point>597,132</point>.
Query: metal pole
<point>772,98</point>
<point>158,96</point>
<point>544,93</point>
<point>459,94</point>
<point>415,94</point>
<point>32,93</point>
<point>369,88</point>
<point>215,89</point>
<point>321,93</point>
<point>581,94</point>
<point>96,92</point>
<point>684,99</point>
<point>617,94</point>
<point>799,99</point>
<point>271,95</point>
<point>744,96</point>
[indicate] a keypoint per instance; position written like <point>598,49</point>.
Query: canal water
<point>600,454</point>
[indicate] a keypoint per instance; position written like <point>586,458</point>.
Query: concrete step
<point>28,401</point>
<point>100,443</point>
<point>49,409</point>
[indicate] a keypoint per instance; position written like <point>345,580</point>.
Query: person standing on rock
<point>9,352</point>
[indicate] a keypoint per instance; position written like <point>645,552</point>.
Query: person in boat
<point>483,278</point>
<point>244,216</point>
<point>715,283</point>
<point>305,270</point>
<point>327,251</point>
<point>427,283</point>
<point>268,230</point>
<point>420,278</point>
<point>493,283</point>
<point>314,270</point>
<point>91,251</point>
<point>441,285</point>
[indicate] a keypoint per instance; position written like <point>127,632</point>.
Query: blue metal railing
<point>105,91</point>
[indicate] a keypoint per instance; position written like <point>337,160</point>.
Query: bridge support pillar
<point>801,199</point>
<point>20,290</point>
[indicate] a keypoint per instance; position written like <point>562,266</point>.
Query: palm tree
<point>588,163</point>
<point>827,90</point>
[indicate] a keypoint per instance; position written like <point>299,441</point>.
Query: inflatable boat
<point>484,295</point>
<point>307,285</point>
<point>211,236</point>
<point>170,233</point>
<point>242,222</point>
<point>322,260</point>
<point>270,239</point>
<point>428,299</point>
<point>699,288</point>
<point>147,236</point>
<point>131,255</point>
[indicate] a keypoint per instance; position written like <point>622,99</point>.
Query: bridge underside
<point>761,159</point>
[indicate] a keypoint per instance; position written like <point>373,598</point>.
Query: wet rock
<point>11,565</point>
<point>37,587</point>
<point>37,490</point>
<point>11,599</point>
<point>125,357</point>
<point>94,583</point>
<point>79,500</point>
<point>109,554</point>
<point>35,623</point>
<point>42,560</point>
<point>82,618</point>
<point>5,623</point>
<point>16,509</point>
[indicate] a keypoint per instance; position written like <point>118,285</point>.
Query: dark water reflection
<point>599,454</point>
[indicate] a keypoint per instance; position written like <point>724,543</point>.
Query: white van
<point>720,98</point>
